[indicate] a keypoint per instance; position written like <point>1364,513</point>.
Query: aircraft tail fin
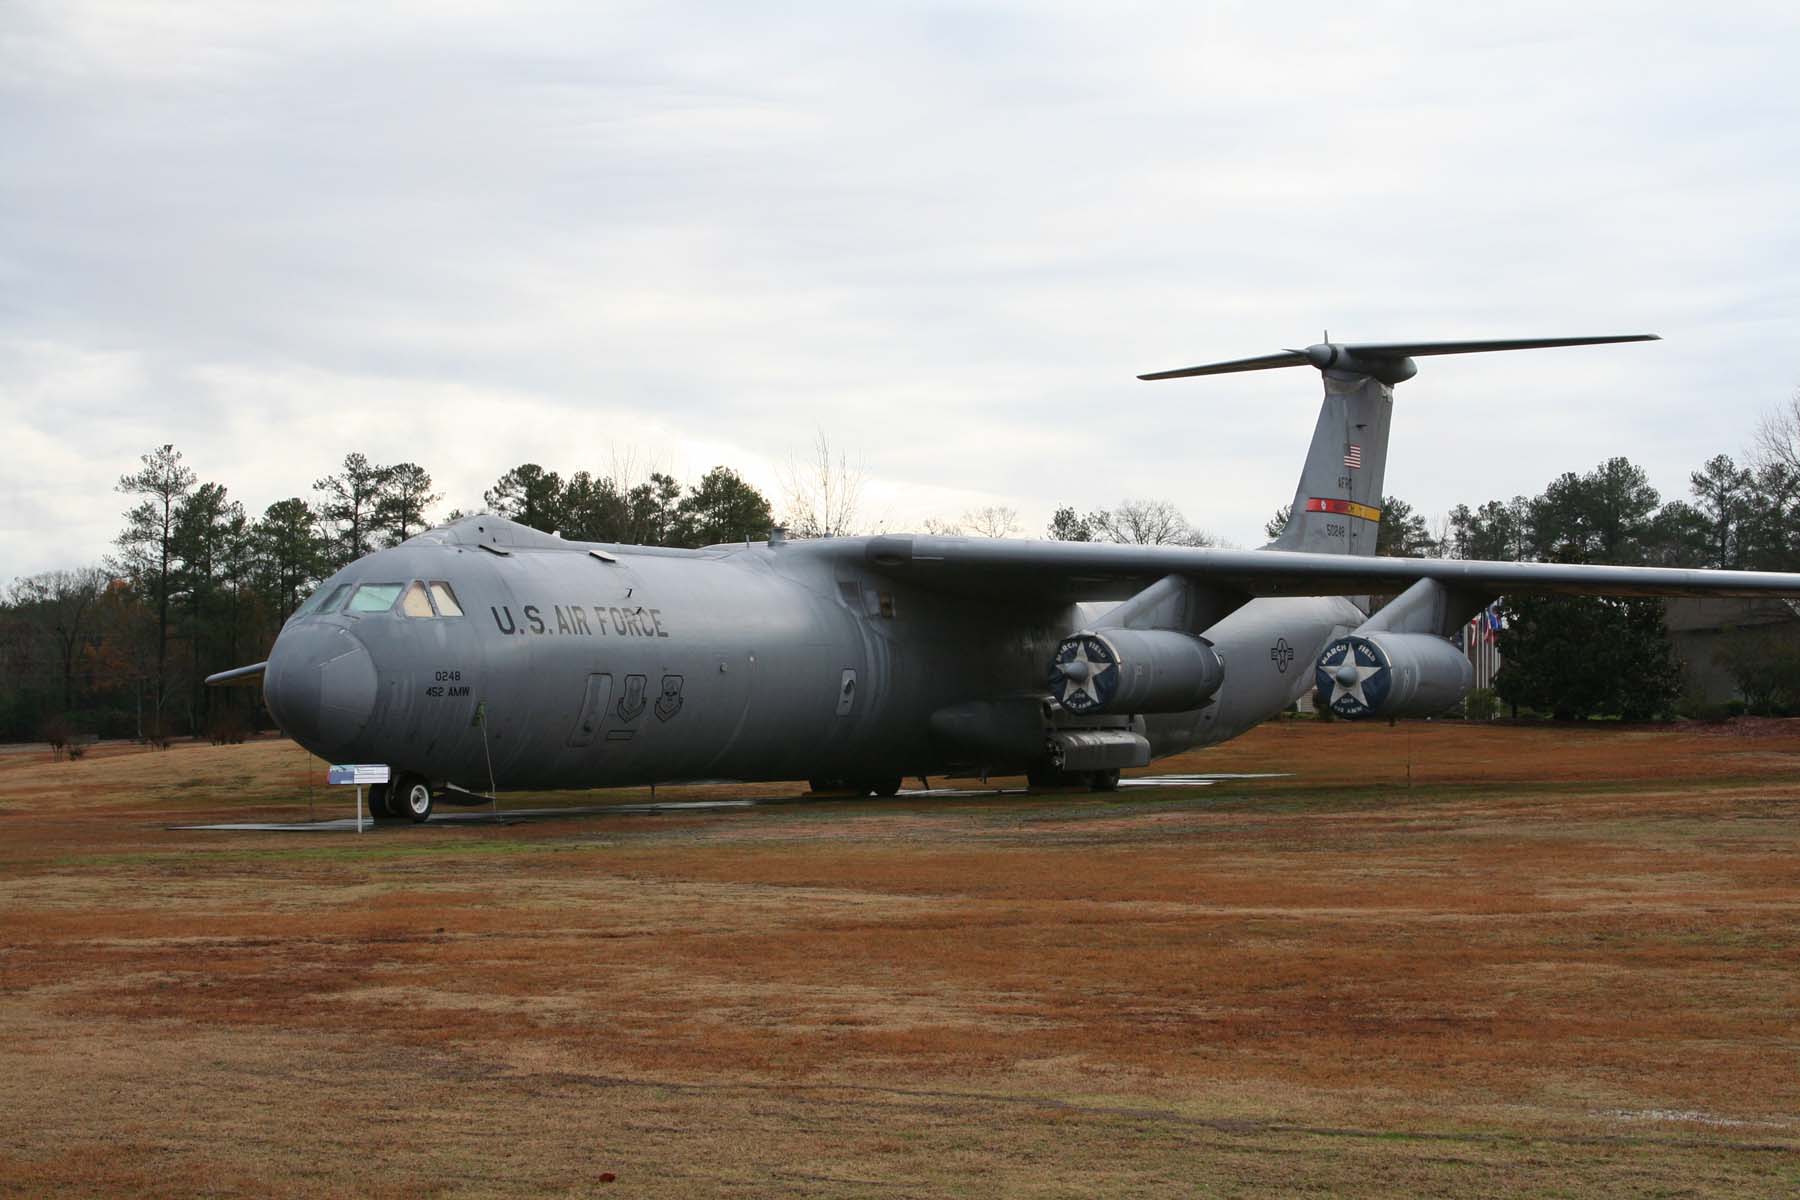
<point>1337,506</point>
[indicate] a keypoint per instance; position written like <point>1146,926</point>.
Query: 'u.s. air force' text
<point>571,620</point>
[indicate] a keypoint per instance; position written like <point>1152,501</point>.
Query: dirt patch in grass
<point>1559,962</point>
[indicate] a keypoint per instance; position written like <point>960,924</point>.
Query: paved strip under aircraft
<point>487,816</point>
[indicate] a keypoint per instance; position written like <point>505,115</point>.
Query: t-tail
<point>1337,507</point>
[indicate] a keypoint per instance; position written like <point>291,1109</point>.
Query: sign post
<point>359,776</point>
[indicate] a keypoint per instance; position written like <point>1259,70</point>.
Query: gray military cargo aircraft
<point>487,655</point>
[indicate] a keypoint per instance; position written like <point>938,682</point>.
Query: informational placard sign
<point>358,774</point>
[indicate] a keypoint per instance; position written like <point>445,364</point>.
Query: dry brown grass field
<point>1552,963</point>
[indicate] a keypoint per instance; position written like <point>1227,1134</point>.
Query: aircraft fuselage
<point>567,669</point>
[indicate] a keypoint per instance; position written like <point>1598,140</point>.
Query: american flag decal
<point>1353,456</point>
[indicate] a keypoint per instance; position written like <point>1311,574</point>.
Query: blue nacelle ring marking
<point>1362,691</point>
<point>1102,674</point>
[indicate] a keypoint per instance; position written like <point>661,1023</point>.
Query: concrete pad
<point>485,816</point>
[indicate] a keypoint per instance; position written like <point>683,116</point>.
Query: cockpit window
<point>446,599</point>
<point>323,601</point>
<point>374,597</point>
<point>416,603</point>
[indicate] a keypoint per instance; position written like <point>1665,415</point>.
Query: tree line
<point>197,584</point>
<point>1572,656</point>
<point>1585,656</point>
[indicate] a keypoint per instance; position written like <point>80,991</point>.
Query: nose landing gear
<point>408,796</point>
<point>411,797</point>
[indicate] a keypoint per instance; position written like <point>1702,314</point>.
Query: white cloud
<point>475,235</point>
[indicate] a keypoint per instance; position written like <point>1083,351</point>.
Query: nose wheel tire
<point>378,801</point>
<point>412,797</point>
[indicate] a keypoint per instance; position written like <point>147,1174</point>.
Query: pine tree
<point>594,509</point>
<point>350,505</point>
<point>722,507</point>
<point>531,496</point>
<point>289,555</point>
<point>147,547</point>
<point>404,500</point>
<point>651,511</point>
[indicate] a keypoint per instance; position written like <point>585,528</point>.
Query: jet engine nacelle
<point>1134,671</point>
<point>1392,675</point>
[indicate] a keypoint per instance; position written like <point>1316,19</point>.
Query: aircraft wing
<point>1099,571</point>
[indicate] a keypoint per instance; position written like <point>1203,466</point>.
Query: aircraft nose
<point>320,685</point>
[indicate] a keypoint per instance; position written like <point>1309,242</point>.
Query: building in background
<point>1698,628</point>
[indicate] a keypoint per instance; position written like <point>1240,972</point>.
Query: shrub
<point>156,734</point>
<point>227,727</point>
<point>1765,665</point>
<point>1480,704</point>
<point>55,730</point>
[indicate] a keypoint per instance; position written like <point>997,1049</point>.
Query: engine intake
<point>1134,671</point>
<point>1392,675</point>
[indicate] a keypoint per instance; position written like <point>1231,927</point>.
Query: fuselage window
<point>416,603</point>
<point>446,599</point>
<point>374,597</point>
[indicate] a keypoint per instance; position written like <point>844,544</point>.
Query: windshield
<point>374,597</point>
<point>323,601</point>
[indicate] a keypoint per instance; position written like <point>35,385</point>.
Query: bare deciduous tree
<point>61,605</point>
<point>821,492</point>
<point>1778,437</point>
<point>994,521</point>
<point>1146,523</point>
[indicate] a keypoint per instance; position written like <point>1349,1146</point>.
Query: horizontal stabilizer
<point>1378,358</point>
<point>1421,349</point>
<point>1267,362</point>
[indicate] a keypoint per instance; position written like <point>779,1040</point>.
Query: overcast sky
<point>948,236</point>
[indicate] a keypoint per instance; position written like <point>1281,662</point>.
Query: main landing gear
<point>408,796</point>
<point>1047,779</point>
